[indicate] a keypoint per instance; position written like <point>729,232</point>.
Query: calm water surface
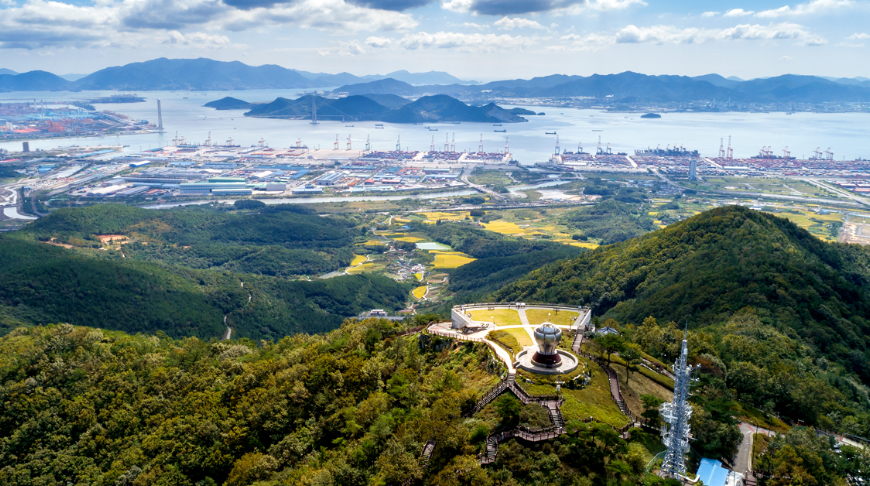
<point>848,134</point>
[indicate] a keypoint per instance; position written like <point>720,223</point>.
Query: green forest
<point>112,371</point>
<point>183,271</point>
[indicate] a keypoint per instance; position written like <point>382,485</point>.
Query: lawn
<point>559,318</point>
<point>501,317</point>
<point>592,401</point>
<point>420,292</point>
<point>520,334</point>
<point>450,259</point>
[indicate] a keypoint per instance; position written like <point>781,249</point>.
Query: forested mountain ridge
<point>716,263</point>
<point>183,270</point>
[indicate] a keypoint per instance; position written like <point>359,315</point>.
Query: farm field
<point>450,259</point>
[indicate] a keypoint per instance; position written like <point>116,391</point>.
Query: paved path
<point>528,327</point>
<point>743,461</point>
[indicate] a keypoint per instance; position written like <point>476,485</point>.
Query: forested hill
<point>714,264</point>
<point>181,271</point>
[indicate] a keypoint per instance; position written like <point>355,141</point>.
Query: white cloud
<point>197,39</point>
<point>472,25</point>
<point>738,12</point>
<point>507,23</point>
<point>344,49</point>
<point>665,34</point>
<point>457,5</point>
<point>378,41</point>
<point>709,14</point>
<point>813,7</point>
<point>464,42</point>
<point>785,58</point>
<point>38,24</point>
<point>613,4</point>
<point>861,36</point>
<point>7,3</point>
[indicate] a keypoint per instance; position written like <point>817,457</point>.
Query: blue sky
<point>472,39</point>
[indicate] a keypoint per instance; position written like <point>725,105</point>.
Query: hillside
<point>228,103</point>
<point>441,108</point>
<point>183,270</point>
<point>391,101</point>
<point>33,81</point>
<point>715,264</point>
<point>351,107</point>
<point>365,107</point>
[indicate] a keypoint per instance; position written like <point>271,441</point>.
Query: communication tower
<point>676,414</point>
<point>159,117</point>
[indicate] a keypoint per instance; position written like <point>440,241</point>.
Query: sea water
<point>847,134</point>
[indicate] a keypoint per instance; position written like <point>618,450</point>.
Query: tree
<point>651,404</point>
<point>508,408</point>
<point>632,359</point>
<point>609,343</point>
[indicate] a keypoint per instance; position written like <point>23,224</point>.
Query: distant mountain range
<point>201,74</point>
<point>627,87</point>
<point>379,107</point>
<point>632,87</point>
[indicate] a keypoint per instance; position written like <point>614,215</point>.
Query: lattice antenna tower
<point>676,414</point>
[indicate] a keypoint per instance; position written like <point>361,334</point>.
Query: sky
<point>480,40</point>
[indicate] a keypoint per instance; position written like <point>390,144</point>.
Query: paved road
<point>837,190</point>
<point>743,462</point>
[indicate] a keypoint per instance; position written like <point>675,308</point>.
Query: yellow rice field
<point>450,259</point>
<point>420,292</point>
<point>409,239</point>
<point>365,267</point>
<point>419,276</point>
<point>434,216</point>
<point>357,259</point>
<point>371,243</point>
<point>504,228</point>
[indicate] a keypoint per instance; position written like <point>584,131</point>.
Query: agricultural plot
<point>420,292</point>
<point>450,259</point>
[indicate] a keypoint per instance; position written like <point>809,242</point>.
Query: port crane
<point>817,153</point>
<point>298,143</point>
<point>336,142</point>
<point>480,147</point>
<point>453,144</point>
<point>399,144</point>
<point>348,141</point>
<point>446,143</point>
<point>368,143</point>
<point>730,154</point>
<point>558,149</point>
<point>786,154</point>
<point>261,143</point>
<point>506,146</point>
<point>721,148</point>
<point>432,145</point>
<point>598,151</point>
<point>829,154</point>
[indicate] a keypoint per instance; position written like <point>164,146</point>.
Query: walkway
<point>612,377</point>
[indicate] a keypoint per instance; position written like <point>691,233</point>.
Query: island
<point>229,103</point>
<point>428,109</point>
<point>651,115</point>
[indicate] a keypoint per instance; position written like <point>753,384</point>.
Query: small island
<point>651,115</point>
<point>229,103</point>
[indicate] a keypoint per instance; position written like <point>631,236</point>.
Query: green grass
<point>759,445</point>
<point>593,401</point>
<point>505,340</point>
<point>490,177</point>
<point>615,359</point>
<point>756,417</point>
<point>501,317</point>
<point>559,318</point>
<point>520,335</point>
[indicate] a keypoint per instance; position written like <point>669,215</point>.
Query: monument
<point>548,337</point>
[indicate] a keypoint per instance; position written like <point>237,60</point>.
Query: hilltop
<point>229,103</point>
<point>715,264</point>
<point>365,107</point>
